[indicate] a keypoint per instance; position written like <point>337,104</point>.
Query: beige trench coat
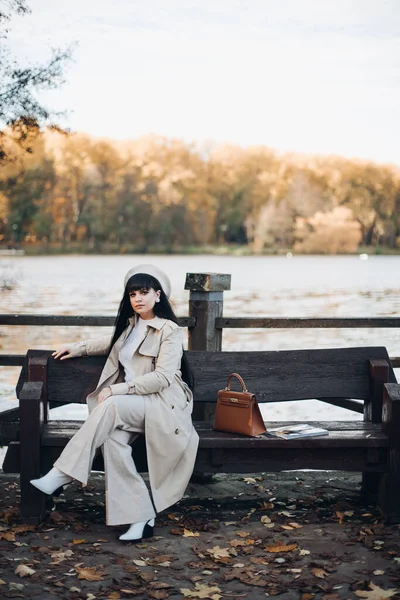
<point>171,440</point>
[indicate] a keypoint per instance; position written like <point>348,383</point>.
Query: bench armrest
<point>33,412</point>
<point>391,413</point>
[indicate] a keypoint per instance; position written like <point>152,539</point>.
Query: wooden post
<point>379,375</point>
<point>205,305</point>
<point>389,487</point>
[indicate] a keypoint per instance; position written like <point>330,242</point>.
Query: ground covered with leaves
<point>294,535</point>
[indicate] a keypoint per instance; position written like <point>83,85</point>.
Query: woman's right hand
<point>66,351</point>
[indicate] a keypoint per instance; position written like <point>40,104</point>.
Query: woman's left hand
<point>104,394</point>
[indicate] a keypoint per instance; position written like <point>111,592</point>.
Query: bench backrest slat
<point>290,375</point>
<point>272,376</point>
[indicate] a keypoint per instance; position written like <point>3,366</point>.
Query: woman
<point>145,387</point>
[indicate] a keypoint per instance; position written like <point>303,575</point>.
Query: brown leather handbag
<point>238,412</point>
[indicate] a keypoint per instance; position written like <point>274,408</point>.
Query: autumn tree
<point>19,84</point>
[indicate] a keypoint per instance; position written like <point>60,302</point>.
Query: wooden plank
<point>300,323</point>
<point>353,405</point>
<point>72,320</point>
<point>272,376</point>
<point>17,360</point>
<point>349,436</point>
<point>330,425</point>
<point>73,380</point>
<point>12,360</point>
<point>289,375</point>
<point>234,460</point>
<point>335,439</point>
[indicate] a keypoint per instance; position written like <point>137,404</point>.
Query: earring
<point>157,299</point>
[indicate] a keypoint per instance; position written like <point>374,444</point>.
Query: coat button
<point>172,406</point>
<point>176,431</point>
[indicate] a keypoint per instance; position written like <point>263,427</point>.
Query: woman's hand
<point>104,394</point>
<point>66,351</point>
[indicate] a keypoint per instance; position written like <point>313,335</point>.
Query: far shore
<point>43,249</point>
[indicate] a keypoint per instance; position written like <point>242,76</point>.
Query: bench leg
<point>370,485</point>
<point>389,488</point>
<point>33,502</point>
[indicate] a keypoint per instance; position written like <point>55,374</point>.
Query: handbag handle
<point>242,383</point>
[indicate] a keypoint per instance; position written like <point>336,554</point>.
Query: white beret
<point>154,272</point>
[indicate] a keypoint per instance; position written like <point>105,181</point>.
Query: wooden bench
<point>360,379</point>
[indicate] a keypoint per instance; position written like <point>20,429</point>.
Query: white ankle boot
<point>138,531</point>
<point>52,481</point>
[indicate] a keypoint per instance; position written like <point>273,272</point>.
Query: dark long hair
<point>163,309</point>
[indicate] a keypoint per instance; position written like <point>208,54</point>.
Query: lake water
<point>302,286</point>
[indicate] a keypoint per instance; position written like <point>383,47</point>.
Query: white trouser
<point>111,425</point>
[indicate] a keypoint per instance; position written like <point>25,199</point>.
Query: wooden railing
<point>205,325</point>
<point>205,322</point>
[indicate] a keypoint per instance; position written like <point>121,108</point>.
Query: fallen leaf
<point>340,516</point>
<point>281,548</point>
<point>287,527</point>
<point>379,572</point>
<point>24,571</point>
<point>304,552</point>
<point>15,587</point>
<point>264,519</point>
<point>76,542</point>
<point>295,525</point>
<point>376,593</point>
<point>9,536</point>
<point>218,552</point>
<point>23,528</point>
<point>294,570</point>
<point>320,573</point>
<point>188,533</point>
<point>90,597</point>
<point>114,596</point>
<point>140,563</point>
<point>59,556</point>
<point>202,591</point>
<point>307,596</point>
<point>243,533</point>
<point>236,543</point>
<point>2,582</point>
<point>89,573</point>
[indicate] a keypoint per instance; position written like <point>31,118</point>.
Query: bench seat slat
<point>207,425</point>
<point>341,434</point>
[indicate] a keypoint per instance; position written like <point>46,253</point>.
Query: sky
<point>312,76</point>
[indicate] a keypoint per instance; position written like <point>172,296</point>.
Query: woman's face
<point>143,301</point>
